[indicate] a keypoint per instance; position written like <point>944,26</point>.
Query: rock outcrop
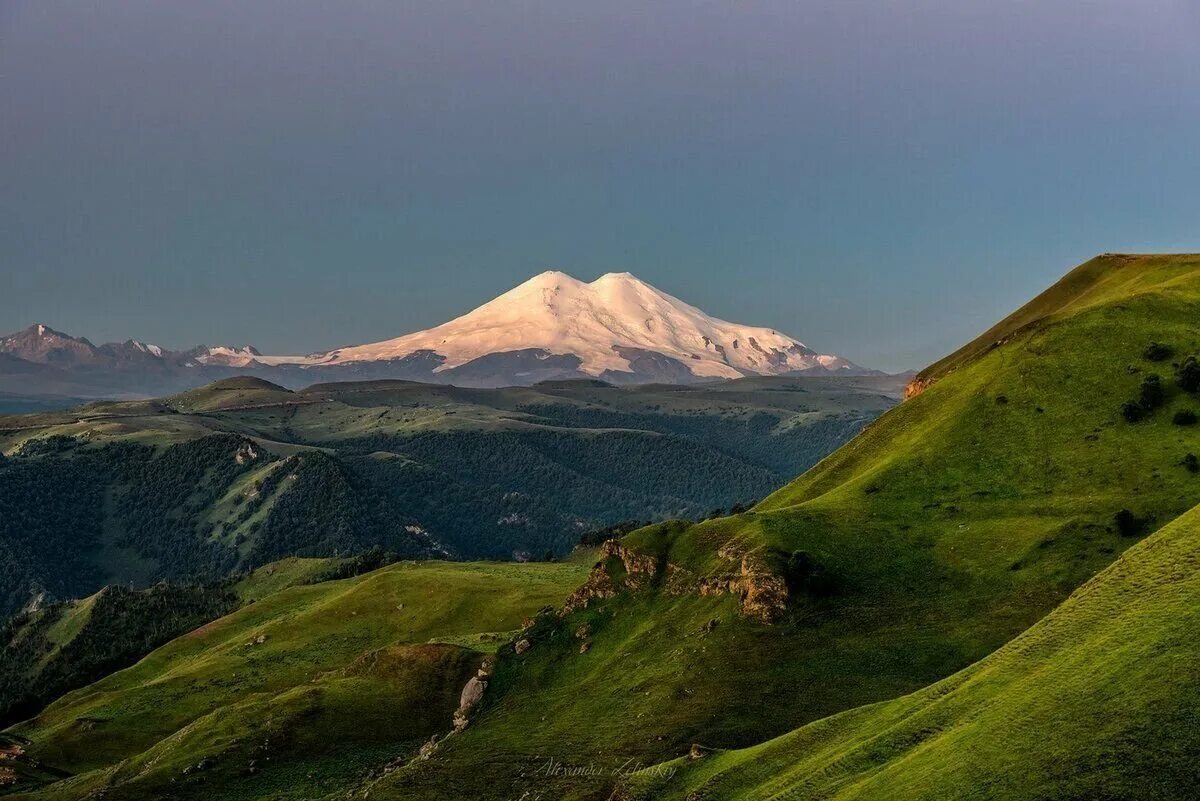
<point>916,387</point>
<point>762,591</point>
<point>471,695</point>
<point>245,453</point>
<point>637,571</point>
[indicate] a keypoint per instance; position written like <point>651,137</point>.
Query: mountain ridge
<point>616,328</point>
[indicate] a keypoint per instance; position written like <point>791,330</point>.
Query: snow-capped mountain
<point>552,327</point>
<point>616,327</point>
<point>41,344</point>
<point>225,355</point>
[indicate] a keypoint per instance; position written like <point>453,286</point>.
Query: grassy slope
<point>951,525</point>
<point>348,675</point>
<point>1099,280</point>
<point>229,393</point>
<point>64,646</point>
<point>291,572</point>
<point>1097,701</point>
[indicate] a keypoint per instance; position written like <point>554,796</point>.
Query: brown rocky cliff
<point>916,386</point>
<point>640,571</point>
<point>762,592</point>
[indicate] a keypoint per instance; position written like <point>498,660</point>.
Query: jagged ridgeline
<point>242,472</point>
<point>850,621</point>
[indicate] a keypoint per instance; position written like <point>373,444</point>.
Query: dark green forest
<point>46,653</point>
<point>417,471</point>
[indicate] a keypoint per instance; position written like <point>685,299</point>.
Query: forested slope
<point>240,473</point>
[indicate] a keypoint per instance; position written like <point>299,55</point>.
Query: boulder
<point>472,693</point>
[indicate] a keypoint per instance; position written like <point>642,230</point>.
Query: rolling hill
<point>54,647</point>
<point>305,691</point>
<point>242,472</point>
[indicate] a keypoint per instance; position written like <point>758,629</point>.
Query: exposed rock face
<point>428,748</point>
<point>916,387</point>
<point>763,592</point>
<point>471,695</point>
<point>640,571</point>
<point>245,453</point>
<point>521,647</point>
<point>472,692</point>
<point>640,568</point>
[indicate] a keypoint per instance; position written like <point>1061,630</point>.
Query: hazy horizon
<point>879,182</point>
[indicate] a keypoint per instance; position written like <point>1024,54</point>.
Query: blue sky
<point>882,180</point>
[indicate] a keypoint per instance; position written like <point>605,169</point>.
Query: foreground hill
<point>304,692</point>
<point>1097,700</point>
<point>56,647</point>
<point>242,472</point>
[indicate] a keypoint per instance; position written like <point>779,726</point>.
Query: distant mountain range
<point>617,328</point>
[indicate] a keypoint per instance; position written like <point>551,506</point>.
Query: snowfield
<point>605,324</point>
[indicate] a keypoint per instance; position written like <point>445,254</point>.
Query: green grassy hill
<point>1098,700</point>
<point>243,472</point>
<point>306,691</point>
<point>1098,281</point>
<point>952,524</point>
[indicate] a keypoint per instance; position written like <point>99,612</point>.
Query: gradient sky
<point>879,179</point>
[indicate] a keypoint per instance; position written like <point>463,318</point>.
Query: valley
<point>221,479</point>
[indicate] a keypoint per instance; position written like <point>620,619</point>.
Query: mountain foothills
<point>617,328</point>
<point>217,480</point>
<point>989,593</point>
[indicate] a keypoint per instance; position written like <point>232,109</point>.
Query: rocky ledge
<point>762,591</point>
